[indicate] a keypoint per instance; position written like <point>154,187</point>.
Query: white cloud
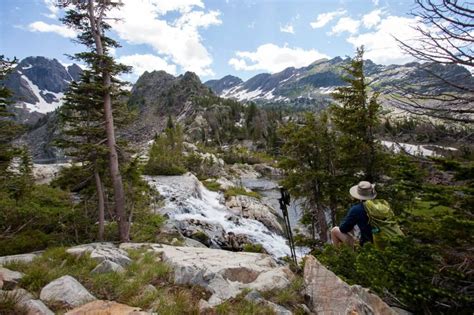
<point>272,58</point>
<point>345,24</point>
<point>288,28</point>
<point>372,19</point>
<point>251,25</point>
<point>380,45</point>
<point>325,18</point>
<point>147,62</point>
<point>375,2</point>
<point>43,27</point>
<point>142,22</point>
<point>183,6</point>
<point>53,9</point>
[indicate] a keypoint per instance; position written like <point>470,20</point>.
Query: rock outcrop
<point>66,290</point>
<point>329,295</point>
<point>222,273</point>
<point>252,208</point>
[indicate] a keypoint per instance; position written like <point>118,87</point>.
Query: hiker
<point>357,215</point>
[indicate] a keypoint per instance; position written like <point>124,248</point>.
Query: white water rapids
<point>186,198</point>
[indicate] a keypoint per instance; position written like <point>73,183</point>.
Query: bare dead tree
<point>444,42</point>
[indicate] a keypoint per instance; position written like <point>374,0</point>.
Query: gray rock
<point>20,294</point>
<point>101,252</point>
<point>66,290</point>
<point>37,307</point>
<point>254,296</point>
<point>26,258</point>
<point>278,309</point>
<point>329,295</point>
<point>108,266</point>
<point>27,301</point>
<point>10,278</point>
<point>224,273</point>
<point>252,208</point>
<point>189,242</point>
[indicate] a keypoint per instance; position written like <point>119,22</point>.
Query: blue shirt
<point>357,216</point>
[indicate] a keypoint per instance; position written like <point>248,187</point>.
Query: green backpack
<point>382,220</point>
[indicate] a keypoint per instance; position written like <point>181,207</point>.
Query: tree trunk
<point>100,197</point>
<point>119,195</point>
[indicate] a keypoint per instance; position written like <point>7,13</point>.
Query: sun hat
<point>363,191</point>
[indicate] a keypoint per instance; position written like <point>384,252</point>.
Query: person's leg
<point>338,237</point>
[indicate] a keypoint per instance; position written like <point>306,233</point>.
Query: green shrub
<point>146,228</point>
<point>404,272</point>
<point>166,154</point>
<point>254,248</point>
<point>45,217</point>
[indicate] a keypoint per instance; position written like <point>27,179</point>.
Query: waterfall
<point>186,198</point>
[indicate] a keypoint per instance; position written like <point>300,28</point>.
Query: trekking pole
<point>284,202</point>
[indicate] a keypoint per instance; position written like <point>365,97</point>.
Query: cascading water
<point>186,198</point>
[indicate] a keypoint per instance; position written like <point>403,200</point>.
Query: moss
<point>235,191</point>
<point>201,237</point>
<point>253,248</point>
<point>212,185</point>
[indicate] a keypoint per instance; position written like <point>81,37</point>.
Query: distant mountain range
<point>38,85</point>
<point>312,85</point>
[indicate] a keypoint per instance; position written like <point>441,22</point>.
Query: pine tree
<point>89,19</point>
<point>8,128</point>
<point>356,117</point>
<point>83,135</point>
<point>309,158</point>
<point>166,154</point>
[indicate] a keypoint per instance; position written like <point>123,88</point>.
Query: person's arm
<point>349,221</point>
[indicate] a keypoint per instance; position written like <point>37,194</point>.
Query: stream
<point>187,199</point>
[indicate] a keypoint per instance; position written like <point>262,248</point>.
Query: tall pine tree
<point>356,116</point>
<point>88,17</point>
<point>8,128</point>
<point>309,158</point>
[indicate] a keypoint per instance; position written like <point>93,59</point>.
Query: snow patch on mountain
<point>42,106</point>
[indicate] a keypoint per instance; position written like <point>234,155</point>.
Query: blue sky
<point>218,37</point>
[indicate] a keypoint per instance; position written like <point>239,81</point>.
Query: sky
<point>215,38</point>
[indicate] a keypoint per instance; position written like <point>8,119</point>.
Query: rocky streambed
<point>206,216</point>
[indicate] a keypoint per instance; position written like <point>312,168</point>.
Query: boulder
<point>252,208</point>
<point>225,183</point>
<point>225,274</point>
<point>107,266</point>
<point>101,252</point>
<point>37,307</point>
<point>27,302</point>
<point>189,242</point>
<point>9,278</point>
<point>66,290</point>
<point>101,307</point>
<point>256,297</point>
<point>25,258</point>
<point>327,294</point>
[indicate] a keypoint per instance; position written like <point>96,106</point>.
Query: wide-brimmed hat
<point>363,191</point>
